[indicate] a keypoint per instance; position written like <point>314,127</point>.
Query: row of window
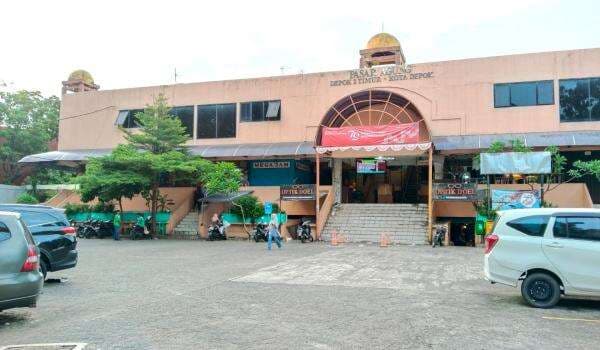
<point>579,99</point>
<point>215,120</point>
<point>573,227</point>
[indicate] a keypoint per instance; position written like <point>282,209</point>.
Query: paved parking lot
<point>237,295</point>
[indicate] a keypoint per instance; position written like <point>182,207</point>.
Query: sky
<point>126,43</point>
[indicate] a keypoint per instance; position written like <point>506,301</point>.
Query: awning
<point>535,139</point>
<point>378,148</point>
<point>224,198</point>
<point>255,150</point>
<point>252,150</point>
<point>64,156</point>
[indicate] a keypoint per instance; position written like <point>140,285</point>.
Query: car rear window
<point>27,233</point>
<point>4,232</point>
<point>530,225</point>
<point>33,218</point>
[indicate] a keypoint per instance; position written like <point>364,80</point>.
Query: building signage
<point>271,164</point>
<point>370,135</point>
<point>514,199</point>
<point>297,192</point>
<point>516,162</point>
<point>384,74</point>
<point>455,191</point>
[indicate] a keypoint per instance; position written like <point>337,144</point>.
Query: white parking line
<point>571,319</point>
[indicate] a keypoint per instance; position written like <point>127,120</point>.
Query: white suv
<point>553,251</point>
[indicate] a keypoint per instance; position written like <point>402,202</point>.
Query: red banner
<point>392,134</point>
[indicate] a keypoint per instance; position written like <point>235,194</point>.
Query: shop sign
<point>513,199</point>
<point>297,192</point>
<point>379,75</point>
<point>370,135</point>
<point>455,191</point>
<point>271,164</point>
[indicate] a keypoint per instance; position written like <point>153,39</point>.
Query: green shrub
<point>252,208</point>
<point>72,208</point>
<point>103,207</point>
<point>26,198</point>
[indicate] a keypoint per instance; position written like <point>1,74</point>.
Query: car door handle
<point>554,245</point>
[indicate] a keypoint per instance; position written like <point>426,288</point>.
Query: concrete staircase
<point>404,223</point>
<point>188,227</point>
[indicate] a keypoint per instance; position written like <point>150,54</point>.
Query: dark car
<point>20,277</point>
<point>52,232</point>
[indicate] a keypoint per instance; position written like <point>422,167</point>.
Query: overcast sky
<point>126,43</point>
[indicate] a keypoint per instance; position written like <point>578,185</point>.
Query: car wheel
<point>43,268</point>
<point>540,290</point>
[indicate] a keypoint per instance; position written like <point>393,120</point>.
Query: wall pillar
<point>336,180</point>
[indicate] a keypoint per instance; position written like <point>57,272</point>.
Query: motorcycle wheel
<point>310,238</point>
<point>256,238</point>
<point>303,239</point>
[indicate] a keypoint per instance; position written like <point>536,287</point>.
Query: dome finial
<point>79,80</point>
<point>382,48</point>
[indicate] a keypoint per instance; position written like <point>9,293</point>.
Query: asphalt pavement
<point>237,295</point>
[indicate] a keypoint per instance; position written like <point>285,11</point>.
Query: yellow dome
<point>81,74</point>
<point>382,40</point>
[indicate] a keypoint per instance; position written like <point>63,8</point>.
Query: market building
<point>370,142</point>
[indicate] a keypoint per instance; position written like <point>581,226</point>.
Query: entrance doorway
<point>400,179</point>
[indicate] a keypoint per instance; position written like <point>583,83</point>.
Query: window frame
<point>7,234</point>
<point>191,131</point>
<point>130,116</point>
<point>537,83</point>
<point>543,230</point>
<point>266,104</point>
<point>568,234</point>
<point>589,107</point>
<point>216,131</point>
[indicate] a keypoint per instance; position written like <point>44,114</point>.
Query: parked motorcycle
<point>261,232</point>
<point>304,231</point>
<point>216,232</point>
<point>438,237</point>
<point>140,232</point>
<point>95,228</point>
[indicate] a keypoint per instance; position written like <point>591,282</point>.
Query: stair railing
<point>325,210</point>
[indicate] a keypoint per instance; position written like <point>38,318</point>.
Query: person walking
<point>117,226</point>
<point>273,232</point>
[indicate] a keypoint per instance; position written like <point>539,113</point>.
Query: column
<point>336,180</point>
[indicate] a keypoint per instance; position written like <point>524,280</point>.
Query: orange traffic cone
<point>384,240</point>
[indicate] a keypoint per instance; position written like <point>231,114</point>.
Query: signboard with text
<point>271,164</point>
<point>370,135</point>
<point>455,191</point>
<point>297,192</point>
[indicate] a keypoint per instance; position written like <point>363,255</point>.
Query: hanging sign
<point>450,191</point>
<point>516,162</point>
<point>370,135</point>
<point>297,192</point>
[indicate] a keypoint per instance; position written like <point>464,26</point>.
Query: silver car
<point>20,277</point>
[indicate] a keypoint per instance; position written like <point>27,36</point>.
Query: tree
<point>162,137</point>
<point>159,132</point>
<point>111,178</point>
<point>221,177</point>
<point>29,121</point>
<point>155,155</point>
